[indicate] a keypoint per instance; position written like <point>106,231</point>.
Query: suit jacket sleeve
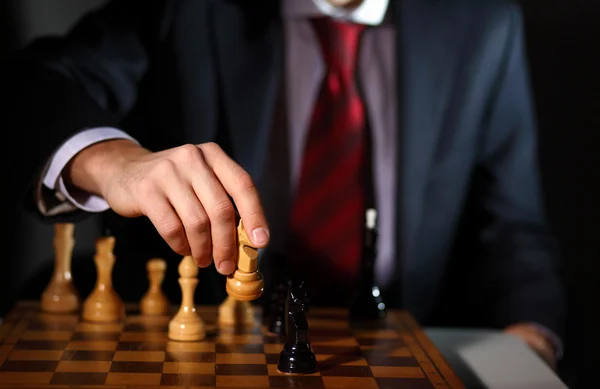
<point>520,266</point>
<point>58,86</point>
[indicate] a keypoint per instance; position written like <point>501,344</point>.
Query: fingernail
<point>260,236</point>
<point>226,267</point>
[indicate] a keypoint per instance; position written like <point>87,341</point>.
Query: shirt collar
<point>369,12</point>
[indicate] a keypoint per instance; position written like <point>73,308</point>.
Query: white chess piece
<point>187,325</point>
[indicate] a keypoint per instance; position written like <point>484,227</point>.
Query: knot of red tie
<point>339,42</point>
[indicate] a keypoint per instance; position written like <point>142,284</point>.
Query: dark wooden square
<point>345,371</point>
<point>50,325</point>
<point>188,379</point>
<point>190,356</point>
<point>374,359</point>
<point>337,350</point>
<point>78,378</point>
<point>102,336</point>
<point>315,333</point>
<point>337,360</point>
<point>238,370</point>
<point>141,346</point>
<point>240,348</point>
<point>383,343</point>
<point>272,358</point>
<point>40,345</point>
<point>87,355</point>
<point>273,339</point>
<point>135,367</point>
<point>146,327</point>
<point>29,366</point>
<point>404,383</point>
<point>295,381</point>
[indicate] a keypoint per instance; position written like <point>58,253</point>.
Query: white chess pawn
<point>60,295</point>
<point>104,304</point>
<point>154,302</point>
<point>187,325</point>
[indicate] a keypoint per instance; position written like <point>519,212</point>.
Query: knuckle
<point>165,167</point>
<point>172,231</point>
<point>211,146</point>
<point>188,153</point>
<point>224,212</point>
<point>199,223</point>
<point>146,186</point>
<point>245,182</point>
<point>201,252</point>
<point>225,251</point>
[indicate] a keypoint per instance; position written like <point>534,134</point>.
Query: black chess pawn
<point>297,355</point>
<point>368,303</point>
<point>277,325</point>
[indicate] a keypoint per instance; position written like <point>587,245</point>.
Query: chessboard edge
<point>433,352</point>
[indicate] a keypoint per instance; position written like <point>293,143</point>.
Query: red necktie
<point>328,212</point>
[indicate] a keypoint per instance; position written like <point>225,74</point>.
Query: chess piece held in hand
<point>246,283</point>
<point>104,304</point>
<point>297,355</point>
<point>60,295</point>
<point>154,302</point>
<point>187,325</point>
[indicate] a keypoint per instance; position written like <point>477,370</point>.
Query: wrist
<point>92,168</point>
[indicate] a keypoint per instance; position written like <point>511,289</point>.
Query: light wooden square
<point>347,341</point>
<point>239,359</point>
<point>350,382</point>
<point>248,381</point>
<point>139,356</point>
<point>36,355</point>
<point>133,379</point>
<point>272,369</point>
<point>25,378</point>
<point>189,368</point>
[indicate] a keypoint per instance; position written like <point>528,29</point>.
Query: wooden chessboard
<point>47,350</point>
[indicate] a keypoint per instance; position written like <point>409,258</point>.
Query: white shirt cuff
<point>52,178</point>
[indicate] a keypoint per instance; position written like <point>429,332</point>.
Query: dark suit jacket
<point>472,246</point>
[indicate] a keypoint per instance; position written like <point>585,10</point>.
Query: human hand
<point>536,340</point>
<point>184,191</point>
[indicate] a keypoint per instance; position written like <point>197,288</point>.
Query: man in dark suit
<point>168,116</point>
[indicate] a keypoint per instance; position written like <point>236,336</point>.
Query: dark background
<point>563,40</point>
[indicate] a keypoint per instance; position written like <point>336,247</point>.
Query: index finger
<point>240,186</point>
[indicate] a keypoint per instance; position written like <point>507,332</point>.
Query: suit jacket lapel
<point>249,50</point>
<point>424,78</point>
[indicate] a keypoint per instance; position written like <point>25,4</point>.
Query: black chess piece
<point>297,355</point>
<point>368,303</point>
<point>277,325</point>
